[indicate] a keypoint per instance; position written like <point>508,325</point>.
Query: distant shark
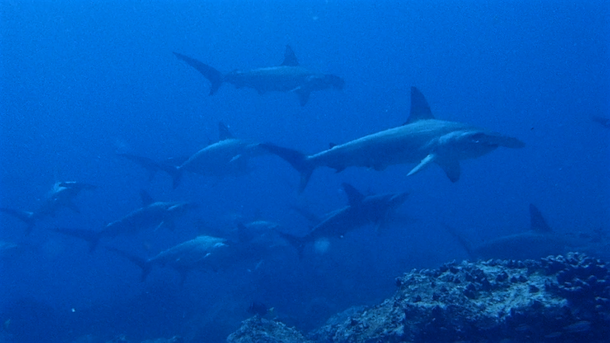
<point>538,242</point>
<point>153,214</point>
<point>227,157</point>
<point>361,210</point>
<point>62,195</point>
<point>422,139</point>
<point>200,252</point>
<point>287,77</point>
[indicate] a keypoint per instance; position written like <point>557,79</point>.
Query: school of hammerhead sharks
<point>422,140</point>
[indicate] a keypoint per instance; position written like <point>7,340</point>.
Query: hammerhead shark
<point>422,139</point>
<point>287,77</point>
<point>200,252</point>
<point>153,214</point>
<point>227,157</point>
<point>361,210</point>
<point>62,195</point>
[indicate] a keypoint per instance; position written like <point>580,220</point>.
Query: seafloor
<point>553,300</point>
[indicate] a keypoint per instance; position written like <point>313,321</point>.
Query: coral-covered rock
<point>259,330</point>
<point>555,299</point>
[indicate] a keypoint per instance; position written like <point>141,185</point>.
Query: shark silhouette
<point>422,139</point>
<point>287,77</point>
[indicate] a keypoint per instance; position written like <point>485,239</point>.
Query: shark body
<point>362,210</point>
<point>227,157</point>
<point>537,242</point>
<point>61,196</point>
<point>200,252</point>
<point>287,77</point>
<point>422,139</point>
<point>153,214</point>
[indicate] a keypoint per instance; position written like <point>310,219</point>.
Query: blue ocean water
<point>82,81</point>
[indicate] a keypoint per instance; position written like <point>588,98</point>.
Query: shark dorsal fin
<point>420,109</point>
<point>354,197</point>
<point>537,222</point>
<point>290,59</point>
<point>146,198</point>
<point>331,145</point>
<point>223,131</point>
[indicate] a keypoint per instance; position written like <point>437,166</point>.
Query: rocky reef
<point>555,299</point>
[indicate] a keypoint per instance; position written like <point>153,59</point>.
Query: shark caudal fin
<point>92,237</point>
<point>173,171</point>
<point>214,76</point>
<point>138,261</point>
<point>297,242</point>
<point>463,242</point>
<point>297,160</point>
<point>24,216</point>
<point>148,164</point>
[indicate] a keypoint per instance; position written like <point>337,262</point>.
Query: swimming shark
<point>361,210</point>
<point>287,77</point>
<point>153,214</point>
<point>200,252</point>
<point>227,157</point>
<point>62,195</point>
<point>422,139</point>
<point>538,242</point>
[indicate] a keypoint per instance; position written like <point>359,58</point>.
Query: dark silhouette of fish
<point>201,252</point>
<point>153,214</point>
<point>62,195</point>
<point>287,77</point>
<point>227,157</point>
<point>538,242</point>
<point>361,210</point>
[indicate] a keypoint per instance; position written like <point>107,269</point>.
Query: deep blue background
<point>81,81</point>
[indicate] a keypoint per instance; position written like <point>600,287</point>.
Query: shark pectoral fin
<point>451,167</point>
<point>425,162</point>
<point>381,227</point>
<point>303,95</point>
<point>235,158</point>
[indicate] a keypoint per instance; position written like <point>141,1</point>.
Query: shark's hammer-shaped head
<point>472,143</point>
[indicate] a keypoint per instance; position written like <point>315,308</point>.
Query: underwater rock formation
<point>260,330</point>
<point>554,299</point>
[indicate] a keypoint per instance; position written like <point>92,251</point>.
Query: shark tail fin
<point>295,241</point>
<point>297,160</point>
<point>138,261</point>
<point>24,216</point>
<point>174,172</point>
<point>214,76</point>
<point>92,237</point>
<point>463,242</point>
